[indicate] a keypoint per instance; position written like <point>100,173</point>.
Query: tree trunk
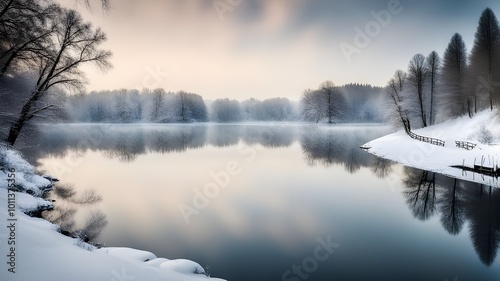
<point>16,128</point>
<point>329,108</point>
<point>7,63</point>
<point>432,96</point>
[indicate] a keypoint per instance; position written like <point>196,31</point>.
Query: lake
<point>274,201</point>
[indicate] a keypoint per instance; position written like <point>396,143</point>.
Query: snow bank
<point>26,180</point>
<point>39,252</point>
<point>483,130</point>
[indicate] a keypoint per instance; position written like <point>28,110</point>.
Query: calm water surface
<point>291,186</point>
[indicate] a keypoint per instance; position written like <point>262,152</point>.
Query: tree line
<point>435,89</point>
<point>357,103</point>
<point>160,106</point>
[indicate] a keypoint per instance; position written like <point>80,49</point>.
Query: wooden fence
<point>465,145</point>
<point>433,141</point>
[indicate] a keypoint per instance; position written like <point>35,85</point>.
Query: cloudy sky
<point>271,48</point>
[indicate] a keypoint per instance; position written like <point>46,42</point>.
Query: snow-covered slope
<point>32,249</point>
<point>483,130</point>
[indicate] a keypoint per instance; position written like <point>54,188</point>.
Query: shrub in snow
<point>484,135</point>
<point>84,245</point>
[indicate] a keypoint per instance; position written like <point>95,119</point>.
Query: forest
<point>435,89</point>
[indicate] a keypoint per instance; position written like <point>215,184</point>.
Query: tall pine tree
<point>484,73</point>
<point>454,98</point>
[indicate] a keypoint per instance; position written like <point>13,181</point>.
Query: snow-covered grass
<point>483,130</point>
<point>42,253</point>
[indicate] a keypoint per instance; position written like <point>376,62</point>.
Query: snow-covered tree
<point>334,100</point>
<point>74,43</point>
<point>313,105</point>
<point>226,110</point>
<point>396,113</point>
<point>484,61</point>
<point>454,98</point>
<point>327,102</point>
<point>417,80</point>
<point>190,108</point>
<point>157,100</point>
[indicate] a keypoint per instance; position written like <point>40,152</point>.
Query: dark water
<point>277,202</point>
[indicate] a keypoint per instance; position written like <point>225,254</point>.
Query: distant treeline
<point>360,104</point>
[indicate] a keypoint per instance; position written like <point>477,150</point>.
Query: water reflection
<point>324,145</point>
<point>340,146</point>
<point>67,203</point>
<point>457,202</point>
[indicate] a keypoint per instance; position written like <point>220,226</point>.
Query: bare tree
<point>433,65</point>
<point>26,27</point>
<point>454,98</point>
<point>485,59</point>
<point>333,100</point>
<point>74,43</point>
<point>394,93</point>
<point>325,102</point>
<point>158,97</point>
<point>417,79</point>
<point>105,4</point>
<point>312,105</point>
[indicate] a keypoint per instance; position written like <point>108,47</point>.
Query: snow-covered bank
<point>483,130</point>
<point>33,249</point>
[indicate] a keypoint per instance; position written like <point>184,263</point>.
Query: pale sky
<point>270,48</point>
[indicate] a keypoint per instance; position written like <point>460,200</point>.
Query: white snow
<point>24,172</point>
<point>483,129</point>
<point>42,253</point>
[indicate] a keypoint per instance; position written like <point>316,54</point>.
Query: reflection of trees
<point>124,142</point>
<point>68,201</point>
<point>327,145</point>
<point>269,136</point>
<point>451,205</point>
<point>123,145</point>
<point>420,193</point>
<point>323,146</point>
<point>224,135</point>
<point>340,146</point>
<point>176,139</point>
<point>382,167</point>
<point>457,201</point>
<point>483,206</point>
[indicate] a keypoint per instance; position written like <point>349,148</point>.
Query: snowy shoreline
<point>35,250</point>
<point>481,130</point>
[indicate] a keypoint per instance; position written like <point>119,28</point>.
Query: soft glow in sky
<point>270,48</point>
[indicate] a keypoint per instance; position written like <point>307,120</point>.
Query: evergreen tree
<point>485,60</point>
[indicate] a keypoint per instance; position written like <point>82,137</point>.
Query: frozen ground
<point>32,249</point>
<point>483,129</point>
